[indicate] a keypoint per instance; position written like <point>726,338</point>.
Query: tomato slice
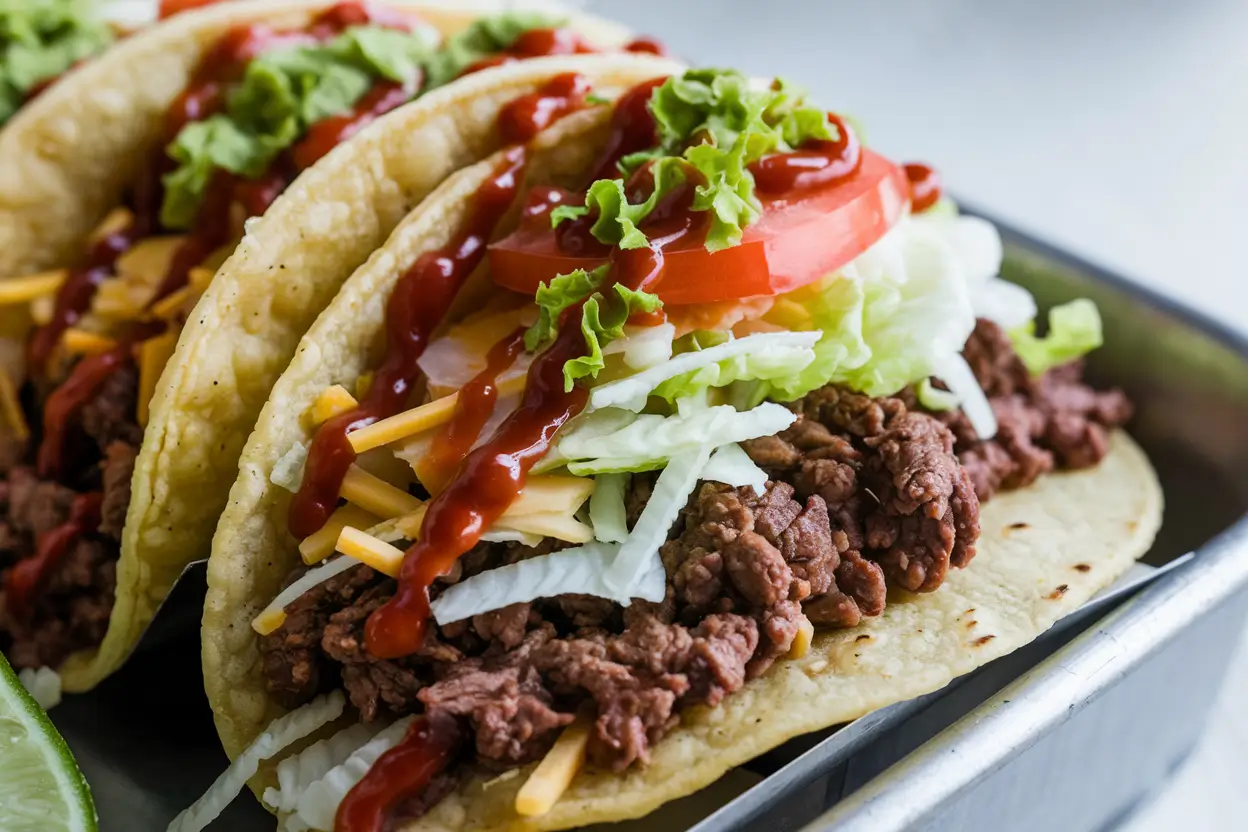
<point>168,8</point>
<point>797,240</point>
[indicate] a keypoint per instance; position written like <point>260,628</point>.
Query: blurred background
<point>1112,128</point>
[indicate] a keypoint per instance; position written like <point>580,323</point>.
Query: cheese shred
<point>555,772</point>
<point>11,407</point>
<point>320,544</point>
<point>31,287</point>
<point>154,353</point>
<point>370,551</point>
<point>375,495</point>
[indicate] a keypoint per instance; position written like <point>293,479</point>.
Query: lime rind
<point>41,786</point>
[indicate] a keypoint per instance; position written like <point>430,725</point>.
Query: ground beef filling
<point>863,494</point>
<point>71,611</point>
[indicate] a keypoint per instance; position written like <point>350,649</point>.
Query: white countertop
<point>1114,129</point>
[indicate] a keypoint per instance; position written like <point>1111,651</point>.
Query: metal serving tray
<point>1062,734</point>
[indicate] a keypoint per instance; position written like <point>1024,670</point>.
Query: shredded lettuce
<point>317,803</point>
<point>288,470</point>
<point>296,772</point>
<point>43,685</point>
<point>1074,331</point>
<point>483,37</point>
<point>964,387</point>
<point>644,347</point>
<point>41,39</point>
<point>650,440</point>
<point>607,511</point>
<point>766,356</point>
<point>281,734</point>
<point>282,93</point>
<point>639,554</point>
<point>580,571</point>
<point>731,465</point>
<point>892,315</point>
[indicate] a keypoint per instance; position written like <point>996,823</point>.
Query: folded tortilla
<point>67,158</point>
<point>1044,551</point>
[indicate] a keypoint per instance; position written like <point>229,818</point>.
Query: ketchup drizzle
<point>29,575</point>
<point>926,187</point>
<point>82,384</point>
<point>813,165</point>
<point>528,115</point>
<point>493,474</point>
<point>420,300</point>
<point>423,753</point>
<point>473,409</point>
<point>325,135</point>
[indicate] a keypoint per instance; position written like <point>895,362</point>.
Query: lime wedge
<point>41,787</point>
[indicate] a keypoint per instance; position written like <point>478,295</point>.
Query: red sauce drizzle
<point>815,164</point>
<point>64,401</point>
<point>473,409</point>
<point>925,186</point>
<point>528,115</point>
<point>646,45</point>
<point>632,129</point>
<point>495,472</point>
<point>26,579</point>
<point>417,305</point>
<point>406,769</point>
<point>325,135</point>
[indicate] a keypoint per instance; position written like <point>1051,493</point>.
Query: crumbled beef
<point>110,416</point>
<point>640,680</point>
<point>1052,421</point>
<point>72,605</point>
<point>118,467</point>
<point>504,697</point>
<point>863,494</point>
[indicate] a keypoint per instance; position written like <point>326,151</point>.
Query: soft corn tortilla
<point>1029,572</point>
<point>67,159</point>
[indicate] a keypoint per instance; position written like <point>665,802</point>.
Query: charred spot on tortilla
<point>1083,567</point>
<point>1058,592</point>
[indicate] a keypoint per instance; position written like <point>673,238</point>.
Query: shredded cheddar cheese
<point>81,342</point>
<point>172,303</point>
<point>154,353</point>
<point>370,551</point>
<point>198,279</point>
<point>11,408</point>
<point>332,402</point>
<point>268,621</point>
<point>318,546</point>
<point>31,287</point>
<point>548,524</point>
<point>114,221</point>
<point>802,641</point>
<point>375,495</point>
<point>41,309</point>
<point>555,772</point>
<point>556,493</point>
<point>417,420</point>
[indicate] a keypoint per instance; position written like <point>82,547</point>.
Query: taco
<point>140,374</point>
<point>731,434</point>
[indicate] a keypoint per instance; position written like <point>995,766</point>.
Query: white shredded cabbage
<point>313,577</point>
<point>43,685</point>
<point>649,440</point>
<point>318,803</point>
<point>288,470</point>
<point>644,346</point>
<point>581,571</point>
<point>299,771</point>
<point>511,536</point>
<point>451,360</point>
<point>957,375</point>
<point>731,465</point>
<point>607,512</point>
<point>639,554</point>
<point>1004,303</point>
<point>281,734</point>
<point>791,350</point>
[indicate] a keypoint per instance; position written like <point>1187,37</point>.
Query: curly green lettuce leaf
<point>484,37</point>
<point>1074,331</point>
<point>617,219</point>
<point>719,123</point>
<point>602,321</point>
<point>554,298</point>
<point>281,94</point>
<point>41,39</point>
